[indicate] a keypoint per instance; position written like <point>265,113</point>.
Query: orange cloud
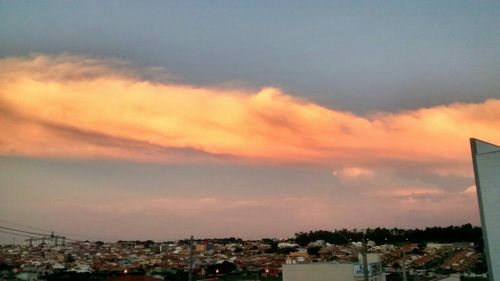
<point>79,107</point>
<point>470,190</point>
<point>353,172</point>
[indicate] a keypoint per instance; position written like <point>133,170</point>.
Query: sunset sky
<point>125,120</point>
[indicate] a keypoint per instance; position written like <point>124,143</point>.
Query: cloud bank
<point>72,106</point>
<point>407,168</point>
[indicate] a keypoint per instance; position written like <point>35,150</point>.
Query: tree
<point>313,251</point>
<point>68,258</point>
<point>221,268</point>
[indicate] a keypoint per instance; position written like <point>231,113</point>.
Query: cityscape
<point>223,140</point>
<point>394,253</point>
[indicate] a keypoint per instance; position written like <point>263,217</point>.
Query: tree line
<point>437,234</point>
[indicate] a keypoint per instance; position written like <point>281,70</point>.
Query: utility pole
<point>404,270</point>
<point>191,258</point>
<point>365,259</point>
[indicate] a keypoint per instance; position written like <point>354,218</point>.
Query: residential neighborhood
<point>229,259</point>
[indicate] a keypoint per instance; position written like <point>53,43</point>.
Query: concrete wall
<point>318,272</point>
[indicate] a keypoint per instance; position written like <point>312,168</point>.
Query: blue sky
<point>364,56</point>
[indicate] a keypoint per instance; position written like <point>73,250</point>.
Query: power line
<point>13,233</point>
<point>25,226</point>
<point>44,230</point>
<point>24,231</point>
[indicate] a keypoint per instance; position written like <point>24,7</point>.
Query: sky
<point>252,119</point>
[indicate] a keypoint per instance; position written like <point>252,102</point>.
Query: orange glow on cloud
<point>353,172</point>
<point>79,107</point>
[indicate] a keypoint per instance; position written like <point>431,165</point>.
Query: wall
<point>486,158</point>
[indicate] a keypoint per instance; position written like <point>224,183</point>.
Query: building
<point>127,277</point>
<point>298,257</point>
<point>334,271</point>
<point>486,159</point>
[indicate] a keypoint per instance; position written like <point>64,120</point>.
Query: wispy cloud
<point>256,217</point>
<point>470,190</point>
<point>251,216</point>
<point>79,107</point>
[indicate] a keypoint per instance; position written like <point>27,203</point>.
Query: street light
<point>125,271</point>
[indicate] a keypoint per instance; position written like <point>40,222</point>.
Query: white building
<point>333,271</point>
<point>439,245</point>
